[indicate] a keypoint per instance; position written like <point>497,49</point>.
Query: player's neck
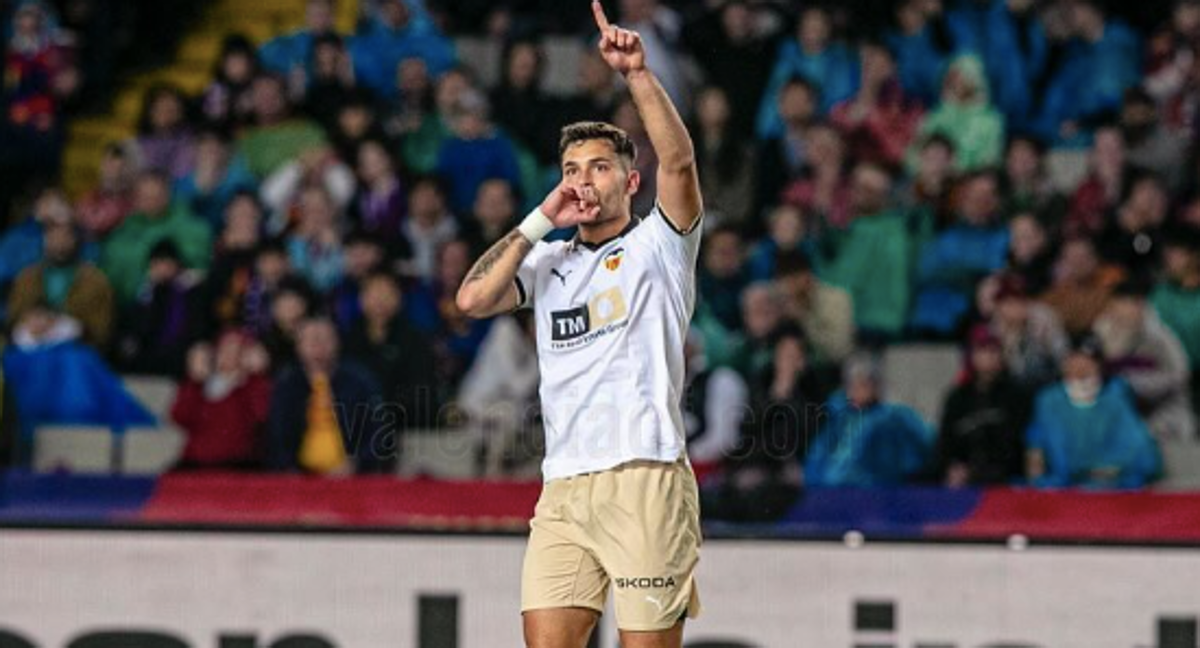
<point>606,230</point>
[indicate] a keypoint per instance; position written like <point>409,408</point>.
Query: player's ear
<point>632,182</point>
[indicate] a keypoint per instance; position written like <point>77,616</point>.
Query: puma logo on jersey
<point>561,277</point>
<point>656,601</point>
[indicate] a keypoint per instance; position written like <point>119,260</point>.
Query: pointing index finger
<point>601,19</point>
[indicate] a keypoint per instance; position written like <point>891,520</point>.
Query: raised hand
<point>567,206</point>
<point>621,48</point>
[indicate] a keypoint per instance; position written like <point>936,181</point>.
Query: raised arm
<point>678,183</point>
<point>490,287</point>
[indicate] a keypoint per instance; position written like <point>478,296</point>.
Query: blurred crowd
<point>288,243</point>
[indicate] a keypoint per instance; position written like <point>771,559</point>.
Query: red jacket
<point>226,432</point>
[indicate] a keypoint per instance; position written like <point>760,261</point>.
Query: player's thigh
<point>670,638</point>
<point>558,572</point>
<point>648,541</point>
<point>560,627</point>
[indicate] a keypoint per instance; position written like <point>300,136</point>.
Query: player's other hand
<point>621,48</point>
<point>567,206</point>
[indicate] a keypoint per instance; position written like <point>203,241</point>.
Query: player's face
<point>592,167</point>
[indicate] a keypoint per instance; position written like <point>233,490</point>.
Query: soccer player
<point>619,507</point>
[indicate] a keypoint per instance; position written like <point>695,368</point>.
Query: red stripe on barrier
<point>362,501</point>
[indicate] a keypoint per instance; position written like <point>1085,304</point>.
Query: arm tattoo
<point>489,259</point>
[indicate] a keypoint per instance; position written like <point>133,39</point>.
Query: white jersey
<point>611,323</point>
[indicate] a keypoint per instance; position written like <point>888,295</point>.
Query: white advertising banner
<point>116,589</point>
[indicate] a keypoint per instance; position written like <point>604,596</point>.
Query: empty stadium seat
<point>919,375</point>
<point>73,448</point>
<point>150,451</point>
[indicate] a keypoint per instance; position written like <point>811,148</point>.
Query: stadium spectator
<point>414,100</point>
<point>951,265</point>
<point>105,207</point>
<point>760,476</point>
<point>398,355</point>
<point>1171,65</point>
<point>421,148</point>
<point>596,94</point>
<point>1086,430</point>
<point>429,225</point>
<point>660,29</point>
<point>928,192</point>
<point>380,205</point>
<point>726,163</point>
<point>494,214</point>
<point>156,217</point>
<point>872,257</point>
<point>1103,187</point>
<point>231,276</point>
<point>783,156</point>
<point>1132,239</point>
<point>64,282</point>
<point>432,309</point>
<point>315,246</point>
<point>865,441</point>
<point>363,255</point>
<point>1150,144</point>
<point>222,405</point>
<point>39,76</point>
<point>289,304</point>
<point>275,138</point>
<point>393,33</point>
<point>788,231</point>
<point>880,120</point>
<point>1093,72</point>
<point>476,152</point>
<point>1031,336</point>
<point>56,379</point>
<point>1147,355</point>
<point>762,316</point>
<point>521,108</point>
<point>356,119</point>
<point>1010,40</point>
<point>165,140</point>
<point>323,417</point>
<point>1030,254</point>
<point>735,43</point>
<point>982,435</point>
<point>285,54</point>
<point>283,191</point>
<point>1082,286</point>
<point>721,276</point>
<point>499,395</point>
<point>21,244</point>
<point>966,116</point>
<point>824,188</point>
<point>330,84</point>
<point>814,55</point>
<point>1025,184</point>
<point>824,313</point>
<point>714,401</point>
<point>164,319</point>
<point>217,176</point>
<point>920,42</point>
<point>228,103</point>
<point>1177,296</point>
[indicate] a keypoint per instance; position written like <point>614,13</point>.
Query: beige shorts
<point>636,526</point>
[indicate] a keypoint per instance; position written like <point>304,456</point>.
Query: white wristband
<point>536,226</point>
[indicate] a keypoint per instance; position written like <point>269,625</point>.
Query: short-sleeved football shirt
<point>611,323</point>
